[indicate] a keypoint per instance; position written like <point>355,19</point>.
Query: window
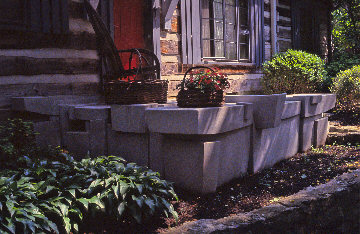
<point>225,29</point>
<point>222,31</point>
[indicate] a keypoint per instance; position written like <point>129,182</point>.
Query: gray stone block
<point>77,143</point>
<point>307,132</point>
<point>212,120</point>
<point>291,108</point>
<point>272,145</point>
<point>92,112</point>
<point>156,157</point>
<point>321,129</point>
<point>130,118</point>
<point>267,108</point>
<point>192,165</point>
<point>190,162</point>
<point>134,147</point>
<point>48,105</point>
<point>49,133</point>
<point>314,104</point>
<point>97,137</point>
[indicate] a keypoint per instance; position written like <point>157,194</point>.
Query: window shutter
<point>257,31</point>
<point>190,31</point>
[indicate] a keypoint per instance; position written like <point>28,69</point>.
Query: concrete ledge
<point>313,104</point>
<point>130,118</point>
<point>329,208</point>
<point>291,109</point>
<point>267,108</point>
<point>48,105</point>
<point>198,121</point>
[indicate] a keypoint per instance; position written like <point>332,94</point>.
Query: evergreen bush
<point>346,85</point>
<point>293,72</point>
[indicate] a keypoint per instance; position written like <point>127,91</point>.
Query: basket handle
<point>189,70</point>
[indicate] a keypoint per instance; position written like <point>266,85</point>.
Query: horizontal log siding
<point>284,33</point>
<point>47,64</point>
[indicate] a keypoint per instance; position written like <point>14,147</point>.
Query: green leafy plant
<point>17,139</point>
<point>65,193</point>
<point>346,85</point>
<point>293,72</point>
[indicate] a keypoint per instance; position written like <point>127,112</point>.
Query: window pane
<point>219,30</point>
<point>243,4</point>
<point>244,51</point>
<point>206,30</point>
<point>244,38</point>
<point>243,16</point>
<point>205,11</point>
<point>230,33</point>
<point>218,9</point>
<point>219,49</point>
<point>206,48</point>
<point>231,51</point>
<point>230,2</point>
<point>230,14</point>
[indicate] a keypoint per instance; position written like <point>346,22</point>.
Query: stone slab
<point>134,147</point>
<point>77,143</point>
<point>48,105</point>
<point>307,132</point>
<point>267,108</point>
<point>98,112</point>
<point>321,131</point>
<point>291,109</point>
<point>49,133</point>
<point>192,165</point>
<point>211,120</point>
<point>185,159</point>
<point>97,137</point>
<point>272,145</point>
<point>314,104</point>
<point>130,118</point>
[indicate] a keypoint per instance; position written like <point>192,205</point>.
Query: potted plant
<point>202,87</point>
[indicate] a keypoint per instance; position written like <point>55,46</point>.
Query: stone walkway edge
<point>331,206</point>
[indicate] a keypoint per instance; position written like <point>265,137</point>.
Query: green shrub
<point>17,139</point>
<point>293,72</point>
<point>346,85</point>
<point>53,196</point>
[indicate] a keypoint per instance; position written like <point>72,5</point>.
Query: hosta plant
<point>65,193</point>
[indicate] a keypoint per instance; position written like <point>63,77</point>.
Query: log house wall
<point>48,64</point>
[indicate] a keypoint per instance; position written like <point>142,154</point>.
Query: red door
<point>128,26</point>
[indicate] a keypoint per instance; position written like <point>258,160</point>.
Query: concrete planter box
<point>313,124</point>
<point>197,148</point>
<point>272,145</point>
<point>200,148</point>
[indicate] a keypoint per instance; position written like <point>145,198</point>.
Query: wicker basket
<point>196,98</point>
<point>138,92</point>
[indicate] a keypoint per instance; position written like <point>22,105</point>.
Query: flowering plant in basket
<point>202,87</point>
<point>205,80</point>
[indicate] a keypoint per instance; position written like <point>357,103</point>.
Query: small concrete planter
<point>197,148</point>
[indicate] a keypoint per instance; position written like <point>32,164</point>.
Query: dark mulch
<point>315,167</point>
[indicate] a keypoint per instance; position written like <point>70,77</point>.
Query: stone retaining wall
<point>329,208</point>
